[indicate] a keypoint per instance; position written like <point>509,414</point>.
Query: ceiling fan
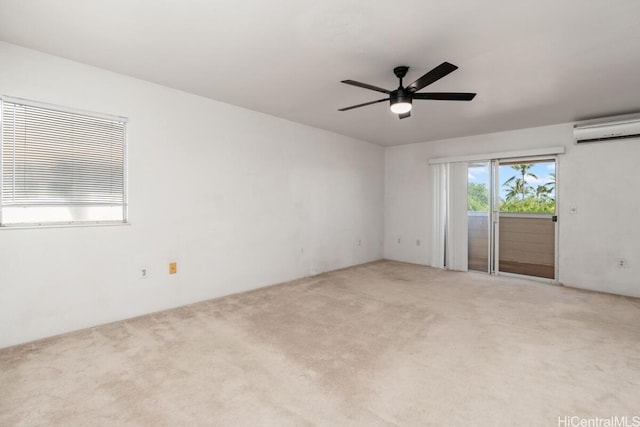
<point>402,98</point>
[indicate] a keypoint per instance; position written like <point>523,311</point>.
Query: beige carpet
<point>384,343</point>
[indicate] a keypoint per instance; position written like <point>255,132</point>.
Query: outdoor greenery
<point>478,200</point>
<point>520,196</point>
<point>528,205</point>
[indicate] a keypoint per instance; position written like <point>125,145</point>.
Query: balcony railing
<point>526,243</point>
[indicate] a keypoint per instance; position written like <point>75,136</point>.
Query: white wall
<point>600,179</point>
<point>239,199</point>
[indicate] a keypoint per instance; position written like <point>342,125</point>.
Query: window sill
<point>64,225</point>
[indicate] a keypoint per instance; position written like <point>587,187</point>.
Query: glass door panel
<point>527,218</point>
<point>478,203</point>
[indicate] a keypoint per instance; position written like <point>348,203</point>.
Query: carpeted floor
<point>384,343</point>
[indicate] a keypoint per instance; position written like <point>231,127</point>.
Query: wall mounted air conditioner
<point>607,129</point>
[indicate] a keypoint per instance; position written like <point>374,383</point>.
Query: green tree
<point>477,197</point>
<point>522,197</point>
<point>518,187</point>
<point>552,183</point>
<point>543,192</point>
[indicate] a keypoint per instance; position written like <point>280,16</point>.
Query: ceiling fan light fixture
<point>400,101</point>
<point>401,107</point>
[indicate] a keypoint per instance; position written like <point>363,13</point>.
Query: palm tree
<point>519,186</point>
<point>552,182</point>
<point>543,192</point>
<point>514,189</point>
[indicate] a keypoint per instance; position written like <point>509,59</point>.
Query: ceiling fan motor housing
<point>400,95</point>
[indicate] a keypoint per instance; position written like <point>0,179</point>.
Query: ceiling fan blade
<point>363,105</point>
<point>445,96</point>
<point>432,76</point>
<point>405,115</point>
<point>366,86</point>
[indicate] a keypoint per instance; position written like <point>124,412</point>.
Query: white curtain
<point>439,190</point>
<point>449,200</point>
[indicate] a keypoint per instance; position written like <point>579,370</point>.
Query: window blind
<point>52,157</point>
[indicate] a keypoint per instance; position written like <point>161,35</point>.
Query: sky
<point>540,170</point>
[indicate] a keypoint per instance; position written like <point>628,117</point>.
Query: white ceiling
<point>532,62</point>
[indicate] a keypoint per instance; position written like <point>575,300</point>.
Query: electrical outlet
<point>399,240</point>
<point>622,263</point>
<point>173,267</point>
<point>144,272</point>
<point>418,242</point>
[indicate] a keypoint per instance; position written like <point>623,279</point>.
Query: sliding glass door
<point>512,217</point>
<point>527,225</point>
